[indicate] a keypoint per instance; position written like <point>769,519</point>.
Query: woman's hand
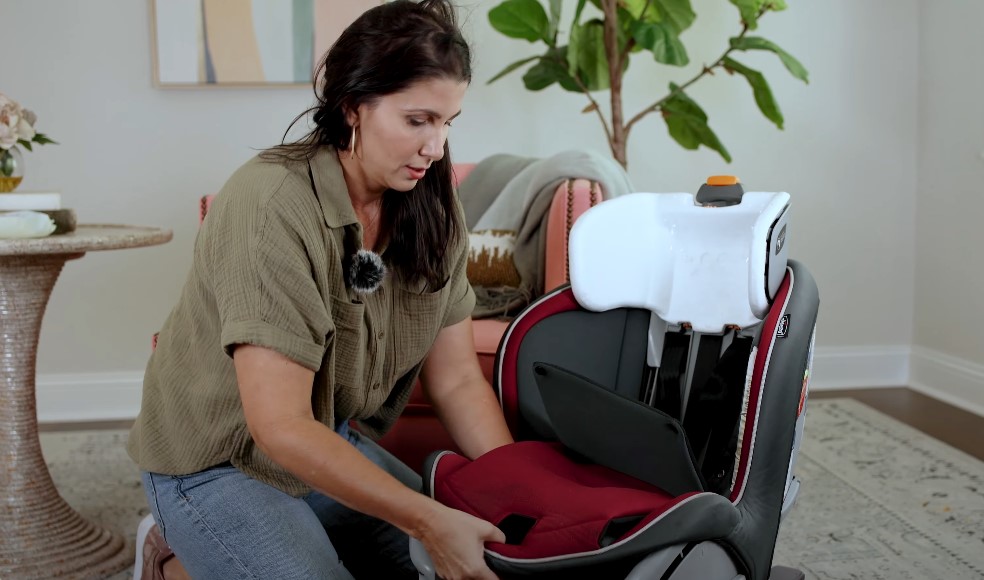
<point>455,542</point>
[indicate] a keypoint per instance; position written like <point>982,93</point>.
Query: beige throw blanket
<point>508,192</point>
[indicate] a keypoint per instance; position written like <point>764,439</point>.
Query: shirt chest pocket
<point>418,319</point>
<point>349,346</point>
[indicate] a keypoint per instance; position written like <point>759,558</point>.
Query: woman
<point>288,327</point>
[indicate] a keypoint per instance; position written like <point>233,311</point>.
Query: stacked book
<point>42,202</point>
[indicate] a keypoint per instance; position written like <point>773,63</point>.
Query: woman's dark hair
<point>386,50</point>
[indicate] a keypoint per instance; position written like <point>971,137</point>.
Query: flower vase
<point>11,169</point>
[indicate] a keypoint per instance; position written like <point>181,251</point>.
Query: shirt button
<point>375,386</point>
<point>381,334</point>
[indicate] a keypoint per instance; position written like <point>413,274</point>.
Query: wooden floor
<point>956,427</point>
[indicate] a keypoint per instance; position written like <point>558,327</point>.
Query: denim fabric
<point>222,524</point>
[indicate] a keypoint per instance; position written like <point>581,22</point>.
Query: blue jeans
<point>222,524</point>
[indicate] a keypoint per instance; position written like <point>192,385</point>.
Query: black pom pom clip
<point>365,272</point>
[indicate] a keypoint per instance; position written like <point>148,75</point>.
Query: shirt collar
<point>330,187</point>
<point>333,194</point>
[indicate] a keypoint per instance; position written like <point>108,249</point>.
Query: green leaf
<point>587,51</point>
<point>662,41</point>
<point>556,57</point>
<point>511,68</point>
<point>625,23</point>
<point>687,124</point>
<point>749,10</point>
<point>43,139</point>
<point>540,76</point>
<point>575,39</point>
<point>776,5</point>
<point>578,10</point>
<point>551,69</point>
<point>521,19</point>
<point>634,8</point>
<point>25,144</point>
<point>756,43</point>
<point>555,6</point>
<point>763,94</point>
<point>677,13</point>
<point>595,43</point>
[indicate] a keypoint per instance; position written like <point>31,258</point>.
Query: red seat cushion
<point>572,503</point>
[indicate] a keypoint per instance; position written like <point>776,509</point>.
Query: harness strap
<point>714,414</point>
<point>672,374</point>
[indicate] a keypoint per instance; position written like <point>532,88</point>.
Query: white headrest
<point>707,266</point>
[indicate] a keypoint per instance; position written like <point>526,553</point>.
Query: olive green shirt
<point>267,270</point>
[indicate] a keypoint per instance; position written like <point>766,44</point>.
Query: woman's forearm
<point>471,414</point>
<point>333,466</point>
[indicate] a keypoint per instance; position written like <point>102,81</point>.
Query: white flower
<point>24,129</point>
<point>17,124</point>
<point>8,129</point>
<point>11,116</point>
<point>7,137</point>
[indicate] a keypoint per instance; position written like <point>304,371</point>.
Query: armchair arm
<point>572,198</point>
<point>460,171</point>
<point>203,206</point>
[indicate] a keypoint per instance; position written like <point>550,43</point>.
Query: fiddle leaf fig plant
<point>598,50</point>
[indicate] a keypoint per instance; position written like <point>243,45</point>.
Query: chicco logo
<point>783,329</point>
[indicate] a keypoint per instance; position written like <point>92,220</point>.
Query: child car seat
<point>657,401</point>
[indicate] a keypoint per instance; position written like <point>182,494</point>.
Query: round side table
<point>41,536</point>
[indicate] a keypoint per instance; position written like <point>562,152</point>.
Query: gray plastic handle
<point>422,561</point>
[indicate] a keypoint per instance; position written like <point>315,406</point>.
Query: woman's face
<point>402,134</point>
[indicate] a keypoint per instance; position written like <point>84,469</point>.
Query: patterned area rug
<point>879,500</point>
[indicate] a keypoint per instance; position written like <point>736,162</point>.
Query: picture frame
<point>245,43</point>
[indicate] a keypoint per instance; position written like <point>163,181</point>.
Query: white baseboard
<point>116,395</point>
<point>950,379</point>
<point>860,367</point>
<point>89,396</point>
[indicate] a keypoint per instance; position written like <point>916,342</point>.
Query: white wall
<point>131,153</point>
<point>949,283</point>
<point>848,154</point>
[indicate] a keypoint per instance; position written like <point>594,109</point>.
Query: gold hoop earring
<point>353,140</point>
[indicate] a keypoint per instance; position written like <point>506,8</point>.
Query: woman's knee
<point>224,524</point>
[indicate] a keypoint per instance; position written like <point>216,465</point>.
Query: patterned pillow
<point>490,259</point>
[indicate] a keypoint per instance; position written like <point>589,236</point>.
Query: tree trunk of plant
<point>619,134</point>
<point>619,146</point>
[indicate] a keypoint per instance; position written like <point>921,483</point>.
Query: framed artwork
<point>203,43</point>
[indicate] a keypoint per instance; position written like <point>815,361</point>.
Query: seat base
<point>703,561</point>
<point>786,573</point>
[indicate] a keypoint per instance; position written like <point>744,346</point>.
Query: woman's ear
<point>351,115</point>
